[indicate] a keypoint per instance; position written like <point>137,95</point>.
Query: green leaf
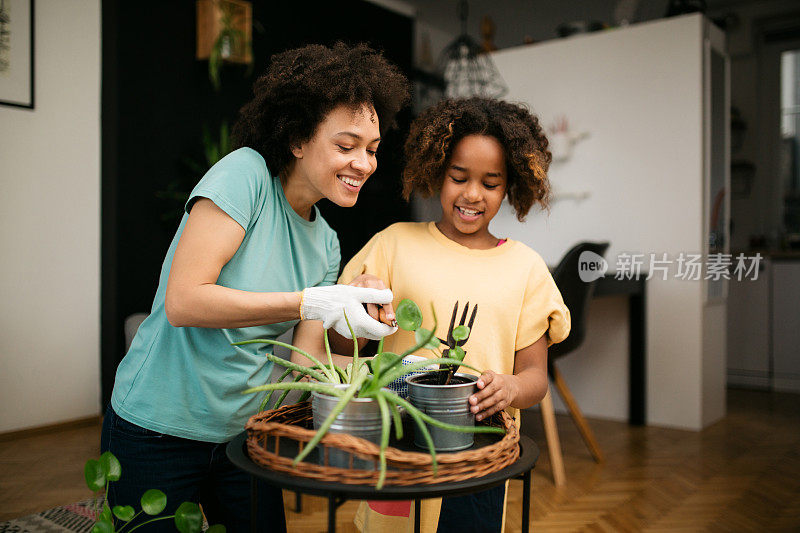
<point>188,518</point>
<point>153,502</point>
<point>383,362</point>
<point>457,353</point>
<point>216,528</point>
<point>421,334</point>
<point>105,513</point>
<point>460,332</point>
<point>103,526</point>
<point>408,315</point>
<point>111,467</point>
<point>124,512</point>
<point>94,475</point>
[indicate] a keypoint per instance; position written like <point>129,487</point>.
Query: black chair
<point>576,294</point>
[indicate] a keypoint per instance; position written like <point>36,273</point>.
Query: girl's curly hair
<point>302,85</point>
<point>437,130</point>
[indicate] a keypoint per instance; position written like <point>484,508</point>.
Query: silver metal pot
<point>446,403</point>
<point>360,418</point>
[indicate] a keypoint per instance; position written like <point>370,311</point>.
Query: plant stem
<point>312,387</point>
<point>330,357</point>
<point>385,428</point>
<point>292,348</point>
<point>129,522</point>
<point>150,521</point>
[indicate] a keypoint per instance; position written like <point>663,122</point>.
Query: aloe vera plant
<point>367,379</point>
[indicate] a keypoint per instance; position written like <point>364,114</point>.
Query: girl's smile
<point>473,189</point>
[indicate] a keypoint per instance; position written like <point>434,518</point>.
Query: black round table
<point>338,493</point>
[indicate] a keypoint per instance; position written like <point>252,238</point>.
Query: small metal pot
<point>360,418</point>
<point>446,403</point>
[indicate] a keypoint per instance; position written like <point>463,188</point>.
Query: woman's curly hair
<point>437,130</point>
<point>302,85</point>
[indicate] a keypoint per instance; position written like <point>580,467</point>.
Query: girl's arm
<point>526,387</point>
<point>308,336</point>
<point>193,298</point>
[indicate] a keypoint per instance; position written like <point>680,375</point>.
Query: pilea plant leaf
<point>103,525</point>
<point>460,332</point>
<point>94,475</point>
<point>153,502</point>
<point>408,315</point>
<point>124,512</point>
<point>384,361</point>
<point>188,518</point>
<point>457,353</point>
<point>111,467</point>
<point>216,528</point>
<point>426,338</point>
<point>105,513</point>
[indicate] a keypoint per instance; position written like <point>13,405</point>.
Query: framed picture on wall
<point>16,53</point>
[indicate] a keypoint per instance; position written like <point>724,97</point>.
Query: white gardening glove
<point>330,303</point>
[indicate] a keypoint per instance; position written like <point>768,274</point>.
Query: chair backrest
<point>576,294</point>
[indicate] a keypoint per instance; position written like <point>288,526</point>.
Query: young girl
<point>252,255</point>
<point>474,153</point>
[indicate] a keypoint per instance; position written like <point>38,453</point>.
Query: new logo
<point>591,266</point>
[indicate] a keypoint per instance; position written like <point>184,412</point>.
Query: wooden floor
<point>741,474</point>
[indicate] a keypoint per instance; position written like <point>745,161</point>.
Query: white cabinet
<point>764,328</point>
<point>749,331</point>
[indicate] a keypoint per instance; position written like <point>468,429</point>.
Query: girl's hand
<point>384,313</point>
<point>496,392</point>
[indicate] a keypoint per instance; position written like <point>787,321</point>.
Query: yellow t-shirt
<point>517,299</point>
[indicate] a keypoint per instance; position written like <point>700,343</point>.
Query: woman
<point>251,256</point>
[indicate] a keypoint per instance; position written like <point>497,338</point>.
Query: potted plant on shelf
<point>336,389</point>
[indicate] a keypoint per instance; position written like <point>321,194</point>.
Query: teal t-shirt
<point>187,382</point>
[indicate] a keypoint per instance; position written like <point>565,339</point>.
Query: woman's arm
<point>526,387</point>
<point>208,242</point>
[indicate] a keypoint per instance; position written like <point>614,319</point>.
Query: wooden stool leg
<point>553,444</point>
<point>577,416</point>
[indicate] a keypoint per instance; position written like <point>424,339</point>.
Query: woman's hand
<point>495,393</point>
<point>331,303</point>
<point>382,313</point>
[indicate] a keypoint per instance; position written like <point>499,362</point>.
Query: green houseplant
<point>100,472</point>
<point>367,379</point>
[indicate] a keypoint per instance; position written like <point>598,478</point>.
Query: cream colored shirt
<point>517,299</point>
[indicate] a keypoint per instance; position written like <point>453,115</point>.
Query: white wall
<point>638,92</point>
<point>50,227</point>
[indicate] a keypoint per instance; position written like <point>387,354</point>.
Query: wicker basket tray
<point>275,437</point>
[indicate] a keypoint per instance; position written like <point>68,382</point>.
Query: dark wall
<point>156,101</point>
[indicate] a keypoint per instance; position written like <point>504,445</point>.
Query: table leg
<point>526,500</point>
<point>332,514</point>
<point>417,515</point>
<point>298,502</point>
<point>253,504</point>
<point>638,371</point>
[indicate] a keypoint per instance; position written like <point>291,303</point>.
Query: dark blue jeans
<point>185,470</point>
<point>481,512</point>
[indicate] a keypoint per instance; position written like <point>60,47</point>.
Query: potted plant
<point>100,472</point>
<point>365,380</point>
